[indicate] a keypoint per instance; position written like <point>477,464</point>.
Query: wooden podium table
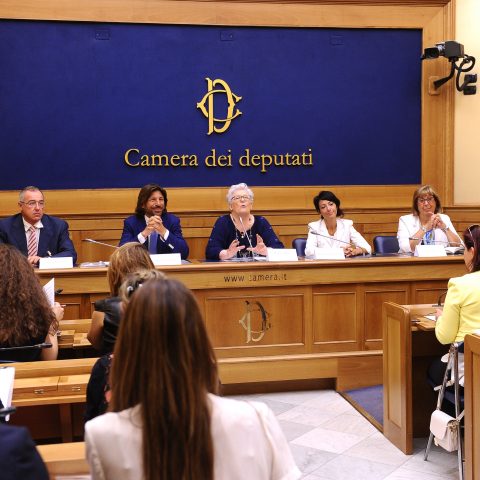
<point>410,346</point>
<point>279,321</point>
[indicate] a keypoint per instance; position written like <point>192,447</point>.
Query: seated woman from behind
<point>98,388</point>
<point>126,259</point>
<point>426,225</point>
<point>26,318</point>
<point>333,231</point>
<point>240,234</point>
<point>166,421</point>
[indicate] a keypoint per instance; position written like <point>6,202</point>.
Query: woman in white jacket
<point>426,225</point>
<point>332,230</point>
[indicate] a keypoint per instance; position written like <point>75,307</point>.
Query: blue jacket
<point>54,237</point>
<point>175,242</point>
<point>19,459</point>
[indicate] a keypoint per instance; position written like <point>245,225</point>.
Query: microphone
<point>248,238</point>
<point>90,240</point>
<point>350,244</point>
<point>169,245</point>
<point>439,301</point>
<point>442,242</point>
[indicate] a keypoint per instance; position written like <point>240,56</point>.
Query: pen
<point>49,253</point>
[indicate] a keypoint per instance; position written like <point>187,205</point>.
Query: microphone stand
<point>350,244</point>
<point>90,240</point>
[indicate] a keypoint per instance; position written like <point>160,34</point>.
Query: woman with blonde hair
<point>26,318</point>
<point>126,259</point>
<point>166,421</point>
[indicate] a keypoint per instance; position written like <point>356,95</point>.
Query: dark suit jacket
<point>133,225</point>
<point>19,459</point>
<point>54,236</point>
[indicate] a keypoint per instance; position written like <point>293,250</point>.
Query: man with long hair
<point>152,226</point>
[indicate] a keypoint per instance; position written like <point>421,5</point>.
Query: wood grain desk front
<point>282,321</point>
<point>409,348</point>
<point>472,406</point>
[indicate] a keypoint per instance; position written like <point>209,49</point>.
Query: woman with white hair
<point>240,234</point>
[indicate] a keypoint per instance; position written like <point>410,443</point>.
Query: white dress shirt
<point>248,444</point>
<point>409,225</point>
<point>344,234</point>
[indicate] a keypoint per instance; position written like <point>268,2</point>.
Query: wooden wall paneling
<point>335,318</point>
<point>235,325</point>
<point>375,295</point>
<point>428,292</point>
<point>396,374</point>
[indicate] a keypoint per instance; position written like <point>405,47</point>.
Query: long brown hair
<point>126,259</point>
<point>145,193</point>
<point>24,310</point>
<point>165,363</point>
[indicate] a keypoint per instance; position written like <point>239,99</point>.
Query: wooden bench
<point>64,458</point>
<point>74,333</point>
<point>50,396</point>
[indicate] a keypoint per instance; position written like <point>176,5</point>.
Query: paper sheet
<point>49,289</point>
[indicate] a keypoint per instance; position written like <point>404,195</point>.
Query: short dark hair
<point>330,197</point>
<point>425,190</point>
<point>145,193</point>
<point>471,238</point>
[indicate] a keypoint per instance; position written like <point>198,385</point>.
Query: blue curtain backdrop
<point>74,97</point>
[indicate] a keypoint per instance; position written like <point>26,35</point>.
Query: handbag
<point>445,430</point>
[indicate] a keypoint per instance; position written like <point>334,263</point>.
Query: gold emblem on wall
<point>246,321</point>
<point>206,105</point>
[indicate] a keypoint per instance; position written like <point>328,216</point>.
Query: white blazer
<point>409,225</point>
<point>345,232</point>
<point>248,444</point>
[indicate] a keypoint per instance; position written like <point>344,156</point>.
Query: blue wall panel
<point>74,97</point>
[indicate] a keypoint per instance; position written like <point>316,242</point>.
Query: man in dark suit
<point>152,226</point>
<point>19,459</point>
<point>35,234</point>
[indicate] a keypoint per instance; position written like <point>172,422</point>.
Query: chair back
<point>24,353</point>
<point>299,245</point>
<point>385,244</point>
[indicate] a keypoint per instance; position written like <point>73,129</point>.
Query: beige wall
<point>467,111</point>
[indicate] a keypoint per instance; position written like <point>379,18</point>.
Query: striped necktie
<point>152,242</point>
<point>32,246</point>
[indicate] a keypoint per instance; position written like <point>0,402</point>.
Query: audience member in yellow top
<point>461,312</point>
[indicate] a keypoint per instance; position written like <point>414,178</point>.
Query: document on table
<point>7,376</point>
<point>49,289</point>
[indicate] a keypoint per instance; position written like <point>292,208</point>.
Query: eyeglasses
<point>425,199</point>
<point>242,198</point>
<point>33,204</point>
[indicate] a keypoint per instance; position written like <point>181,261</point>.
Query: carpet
<point>369,402</point>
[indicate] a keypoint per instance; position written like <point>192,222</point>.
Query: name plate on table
<point>166,259</point>
<point>323,253</point>
<point>430,251</point>
<point>55,262</point>
<point>282,255</point>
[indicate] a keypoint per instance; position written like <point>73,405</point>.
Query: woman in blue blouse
<point>240,234</point>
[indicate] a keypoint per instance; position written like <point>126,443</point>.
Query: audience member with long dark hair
<point>461,312</point>
<point>26,318</point>
<point>166,421</point>
<point>98,388</point>
<point>126,259</point>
